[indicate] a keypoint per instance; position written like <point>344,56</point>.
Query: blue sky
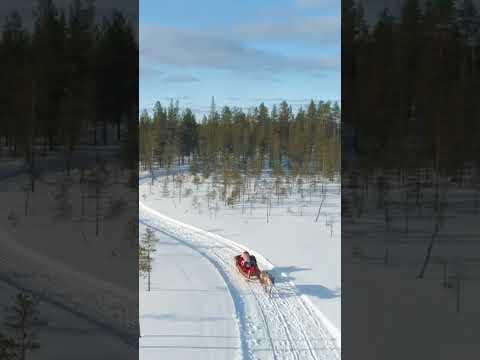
<point>242,52</point>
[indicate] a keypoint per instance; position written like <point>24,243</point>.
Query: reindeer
<point>267,281</point>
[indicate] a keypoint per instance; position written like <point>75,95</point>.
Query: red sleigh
<point>250,271</point>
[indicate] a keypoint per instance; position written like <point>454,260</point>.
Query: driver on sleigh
<point>247,260</point>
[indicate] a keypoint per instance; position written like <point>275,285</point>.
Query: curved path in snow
<point>188,312</point>
<point>283,326</point>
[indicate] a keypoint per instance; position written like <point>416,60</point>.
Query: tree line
<point>410,82</point>
<point>67,79</point>
<point>306,142</point>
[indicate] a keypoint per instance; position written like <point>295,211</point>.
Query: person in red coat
<point>245,260</point>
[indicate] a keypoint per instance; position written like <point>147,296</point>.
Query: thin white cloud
<point>291,101</point>
<point>180,79</point>
<point>317,3</point>
<point>147,72</point>
<point>189,48</point>
<point>318,29</point>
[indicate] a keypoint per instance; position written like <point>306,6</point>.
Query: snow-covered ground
<point>189,310</point>
<point>56,222</point>
<point>49,246</point>
<point>297,322</point>
<point>61,332</point>
<point>308,252</point>
<point>385,248</point>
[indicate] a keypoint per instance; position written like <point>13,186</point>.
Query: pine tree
<point>22,321</point>
<point>147,248</point>
<point>189,134</point>
<point>234,140</point>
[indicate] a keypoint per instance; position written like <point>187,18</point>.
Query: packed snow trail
<point>184,315</point>
<point>283,326</point>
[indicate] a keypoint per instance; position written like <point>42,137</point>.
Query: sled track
<point>276,352</point>
<point>267,329</point>
<point>288,288</point>
<point>234,294</point>
<point>294,351</point>
<point>291,328</point>
<point>267,305</point>
<point>309,344</point>
<point>292,302</point>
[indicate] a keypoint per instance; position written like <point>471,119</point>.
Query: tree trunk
<point>320,208</point>
<point>27,196</point>
<point>97,208</point>
<point>149,269</point>
<point>445,284</point>
<point>429,252</point>
<point>104,130</point>
<point>149,280</point>
<point>82,196</point>
<point>32,170</point>
<point>118,128</point>
<point>458,294</point>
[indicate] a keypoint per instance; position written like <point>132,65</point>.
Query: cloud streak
<point>189,48</point>
<point>317,3</point>
<point>313,30</point>
<point>148,72</point>
<point>180,79</point>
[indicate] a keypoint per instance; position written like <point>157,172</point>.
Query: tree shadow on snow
<point>287,270</point>
<point>314,290</point>
<point>319,291</point>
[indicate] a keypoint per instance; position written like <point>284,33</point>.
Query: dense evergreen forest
<point>67,79</point>
<point>232,140</point>
<point>410,171</point>
<point>410,82</point>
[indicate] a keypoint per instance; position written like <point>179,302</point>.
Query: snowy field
<point>59,221</point>
<point>428,299</point>
<point>60,331</point>
<point>302,320</point>
<point>50,245</point>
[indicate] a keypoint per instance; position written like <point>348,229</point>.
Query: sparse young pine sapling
<point>147,248</point>
<point>22,320</point>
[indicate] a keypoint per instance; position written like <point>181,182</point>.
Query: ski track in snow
<point>280,326</point>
